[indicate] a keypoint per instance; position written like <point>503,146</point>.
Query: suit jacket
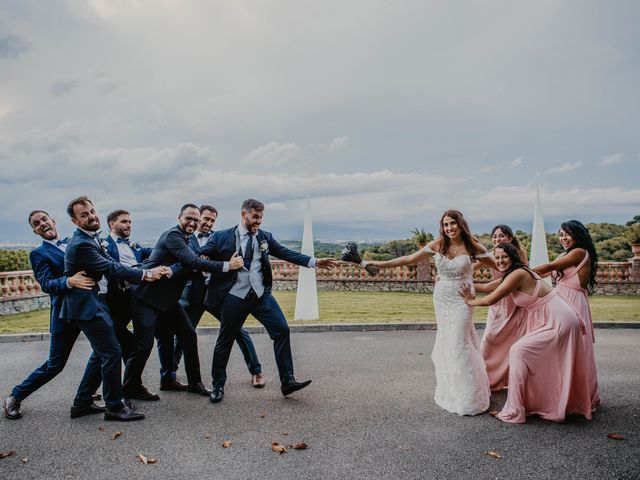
<point>115,290</point>
<point>172,250</point>
<point>222,245</point>
<point>195,289</point>
<point>47,263</point>
<point>83,253</point>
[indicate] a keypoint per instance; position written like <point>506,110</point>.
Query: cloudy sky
<point>386,112</point>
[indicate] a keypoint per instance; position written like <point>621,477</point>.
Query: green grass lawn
<point>359,307</point>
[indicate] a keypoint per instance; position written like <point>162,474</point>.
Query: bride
<point>462,385</point>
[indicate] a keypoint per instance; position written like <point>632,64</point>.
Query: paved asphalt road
<point>368,414</point>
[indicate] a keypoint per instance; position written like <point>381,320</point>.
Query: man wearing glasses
<point>157,311</point>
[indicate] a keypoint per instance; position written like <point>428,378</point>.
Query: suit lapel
<point>112,249</point>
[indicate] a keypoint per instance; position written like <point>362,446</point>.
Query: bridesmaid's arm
<point>486,287</point>
<point>508,285</point>
<point>574,257</point>
<point>484,257</point>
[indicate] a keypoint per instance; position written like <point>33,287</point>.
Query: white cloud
<point>564,168</point>
<point>517,162</point>
<point>611,160</point>
<point>274,154</point>
<point>338,143</point>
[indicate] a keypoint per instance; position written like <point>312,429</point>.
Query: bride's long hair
<point>465,232</point>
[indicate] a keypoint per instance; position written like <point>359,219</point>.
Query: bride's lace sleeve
<point>427,249</point>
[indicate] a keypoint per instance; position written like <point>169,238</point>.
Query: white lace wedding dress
<point>462,384</point>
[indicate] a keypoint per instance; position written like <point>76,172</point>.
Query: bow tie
<point>123,240</point>
<point>64,241</point>
<point>203,235</point>
<point>96,236</point>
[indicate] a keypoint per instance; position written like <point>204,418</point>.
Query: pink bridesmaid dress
<point>571,291</point>
<point>505,326</point>
<point>545,377</point>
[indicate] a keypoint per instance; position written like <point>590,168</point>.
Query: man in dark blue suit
<point>236,294</point>
<point>157,311</point>
<point>89,312</point>
<point>194,293</point>
<point>47,262</point>
<point>118,296</point>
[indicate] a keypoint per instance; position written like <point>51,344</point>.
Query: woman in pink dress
<point>505,322</point>
<point>575,274</point>
<point>545,377</point>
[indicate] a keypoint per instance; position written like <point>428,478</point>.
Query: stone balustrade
<point>621,278</point>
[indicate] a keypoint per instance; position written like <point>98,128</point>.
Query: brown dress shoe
<point>173,386</point>
<point>257,380</point>
<point>92,409</point>
<point>143,394</point>
<point>199,388</point>
<point>11,408</point>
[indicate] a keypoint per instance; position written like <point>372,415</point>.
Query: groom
<point>233,295</point>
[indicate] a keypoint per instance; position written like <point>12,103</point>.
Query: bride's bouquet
<point>350,254</point>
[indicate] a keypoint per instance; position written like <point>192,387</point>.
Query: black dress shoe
<point>144,395</point>
<point>86,410</point>
<point>96,396</point>
<point>173,386</point>
<point>11,408</point>
<point>199,388</point>
<point>125,414</point>
<point>217,394</point>
<point>293,386</point>
<point>129,404</point>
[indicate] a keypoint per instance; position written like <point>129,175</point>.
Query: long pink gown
<point>505,326</point>
<point>571,291</point>
<point>545,377</point>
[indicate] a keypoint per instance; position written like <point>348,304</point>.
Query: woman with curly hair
<point>575,275</point>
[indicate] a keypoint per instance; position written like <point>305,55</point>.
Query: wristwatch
<point>148,274</point>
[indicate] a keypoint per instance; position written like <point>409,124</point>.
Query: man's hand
<point>80,280</point>
<point>326,263</point>
<point>156,274</point>
<point>166,271</point>
<point>236,262</point>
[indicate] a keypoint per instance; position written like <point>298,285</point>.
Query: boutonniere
<point>104,244</point>
<point>134,245</point>
<point>264,246</point>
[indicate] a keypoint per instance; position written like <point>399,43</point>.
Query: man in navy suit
<point>193,299</point>
<point>118,296</point>
<point>89,312</point>
<point>47,262</point>
<point>157,311</point>
<point>236,294</point>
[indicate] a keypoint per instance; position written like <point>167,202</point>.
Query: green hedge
<point>12,260</point>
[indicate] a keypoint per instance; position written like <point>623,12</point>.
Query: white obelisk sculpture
<point>539,253</point>
<point>307,294</point>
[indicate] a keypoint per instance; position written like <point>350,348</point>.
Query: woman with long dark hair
<point>545,377</point>
<point>462,385</point>
<point>575,275</point>
<point>505,321</point>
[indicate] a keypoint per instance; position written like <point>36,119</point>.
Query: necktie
<point>203,235</point>
<point>123,240</point>
<point>248,253</point>
<point>64,241</point>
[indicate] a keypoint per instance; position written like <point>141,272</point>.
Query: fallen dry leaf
<point>299,446</point>
<point>142,458</point>
<point>101,428</point>
<point>493,454</point>
<point>10,453</point>
<point>227,443</point>
<point>493,413</point>
<point>615,436</point>
<point>420,353</point>
<point>151,461</point>
<point>278,447</point>
<point>116,435</point>
<point>262,415</point>
<point>285,433</point>
<point>407,449</point>
<point>207,435</point>
<point>25,460</point>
